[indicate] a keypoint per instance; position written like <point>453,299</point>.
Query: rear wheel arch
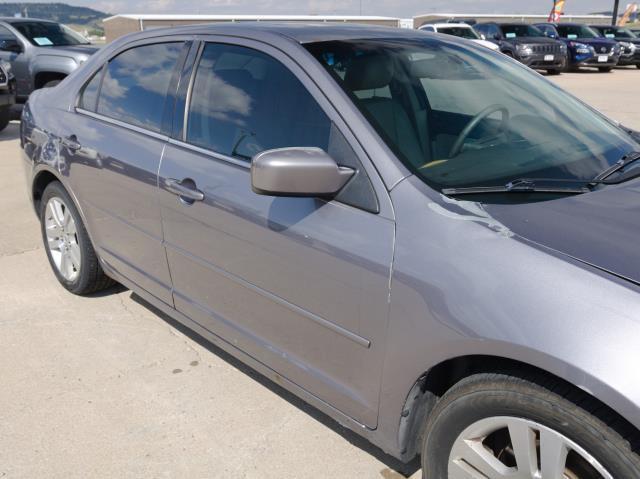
<point>40,182</point>
<point>439,379</point>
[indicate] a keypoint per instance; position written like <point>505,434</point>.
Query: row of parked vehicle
<point>554,47</point>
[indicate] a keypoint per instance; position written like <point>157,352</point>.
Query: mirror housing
<point>12,46</point>
<point>309,172</point>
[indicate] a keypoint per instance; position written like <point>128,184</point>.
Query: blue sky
<point>396,8</point>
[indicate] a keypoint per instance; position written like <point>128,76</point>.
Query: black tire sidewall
<point>5,118</point>
<point>534,404</point>
<point>56,190</point>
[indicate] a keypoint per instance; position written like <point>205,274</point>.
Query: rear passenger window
<point>136,84</point>
<point>244,102</point>
<point>89,95</point>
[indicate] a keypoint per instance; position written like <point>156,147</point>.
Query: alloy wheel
<point>516,448</point>
<point>62,239</point>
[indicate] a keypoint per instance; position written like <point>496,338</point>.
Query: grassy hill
<point>78,17</point>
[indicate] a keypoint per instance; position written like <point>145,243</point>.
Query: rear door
<point>300,284</point>
<point>113,143</point>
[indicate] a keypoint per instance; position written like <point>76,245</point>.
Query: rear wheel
<point>495,426</point>
<point>554,72</point>
<point>67,243</point>
<point>605,69</point>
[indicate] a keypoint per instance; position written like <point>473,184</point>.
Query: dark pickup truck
<point>527,44</point>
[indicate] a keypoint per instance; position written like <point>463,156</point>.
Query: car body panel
<point>346,308</point>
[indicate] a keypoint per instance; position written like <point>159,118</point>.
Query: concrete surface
<point>105,387</point>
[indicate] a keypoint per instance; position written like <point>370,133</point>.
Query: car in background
<point>461,30</point>
<point>7,93</point>
<point>526,44</point>
<point>587,48</point>
<point>629,43</point>
<point>42,53</point>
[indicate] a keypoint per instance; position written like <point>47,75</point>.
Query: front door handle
<point>185,189</point>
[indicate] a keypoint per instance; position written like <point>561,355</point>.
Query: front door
<point>300,284</point>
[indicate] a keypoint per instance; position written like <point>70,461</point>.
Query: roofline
<point>143,16</point>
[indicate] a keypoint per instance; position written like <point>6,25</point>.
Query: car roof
<point>307,32</point>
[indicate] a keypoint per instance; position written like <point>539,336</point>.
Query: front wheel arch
<point>435,382</point>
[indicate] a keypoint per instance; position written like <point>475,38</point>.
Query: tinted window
<point>576,31</point>
<point>463,32</point>
<point>136,84</point>
<point>244,102</point>
<point>89,96</point>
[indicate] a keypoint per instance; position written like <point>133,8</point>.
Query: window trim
<point>122,124</point>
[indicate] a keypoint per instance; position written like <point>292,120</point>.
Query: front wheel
<point>605,69</point>
<point>500,426</point>
<point>553,72</point>
<point>67,243</point>
<point>638,67</point>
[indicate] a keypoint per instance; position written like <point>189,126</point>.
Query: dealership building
<point>120,25</point>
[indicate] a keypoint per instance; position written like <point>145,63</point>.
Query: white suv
<point>459,30</point>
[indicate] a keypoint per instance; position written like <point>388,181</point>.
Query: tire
<point>553,72</point>
<point>605,69</point>
<point>5,117</point>
<point>638,67</point>
<point>80,272</point>
<point>533,403</point>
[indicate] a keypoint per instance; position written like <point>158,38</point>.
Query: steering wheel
<point>457,146</point>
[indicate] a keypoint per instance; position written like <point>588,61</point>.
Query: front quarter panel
<point>464,284</point>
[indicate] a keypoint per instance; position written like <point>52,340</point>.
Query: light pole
<point>614,17</point>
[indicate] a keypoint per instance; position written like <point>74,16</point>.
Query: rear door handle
<point>185,189</point>
<point>72,143</point>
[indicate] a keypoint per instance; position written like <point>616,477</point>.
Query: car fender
<point>51,64</point>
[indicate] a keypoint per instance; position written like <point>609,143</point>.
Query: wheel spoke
<point>53,231</point>
<point>74,255</point>
<point>523,441</point>
<point>65,264</point>
<point>475,454</point>
<point>553,455</point>
<point>56,212</point>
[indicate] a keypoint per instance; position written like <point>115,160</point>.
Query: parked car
<point>7,94</point>
<point>629,43</point>
<point>461,30</point>
<point>429,242</point>
<point>527,44</point>
<point>586,46</point>
<point>41,52</point>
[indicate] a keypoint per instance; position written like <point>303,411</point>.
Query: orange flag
<point>556,11</point>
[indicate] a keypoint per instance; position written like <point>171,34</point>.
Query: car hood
<point>600,228</point>
<point>531,40</point>
<point>596,42</point>
<point>71,50</point>
<point>486,43</point>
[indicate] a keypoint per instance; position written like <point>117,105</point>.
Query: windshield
<point>513,31</point>
<point>576,31</point>
<point>459,117</point>
<point>616,32</point>
<point>46,34</point>
<point>463,32</point>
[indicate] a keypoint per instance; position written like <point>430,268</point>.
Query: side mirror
<point>12,46</point>
<point>483,36</point>
<point>297,172</point>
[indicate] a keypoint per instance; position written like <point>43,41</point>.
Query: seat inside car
<point>369,77</point>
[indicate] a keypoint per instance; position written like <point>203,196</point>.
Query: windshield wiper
<point>525,185</point>
<point>622,163</point>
